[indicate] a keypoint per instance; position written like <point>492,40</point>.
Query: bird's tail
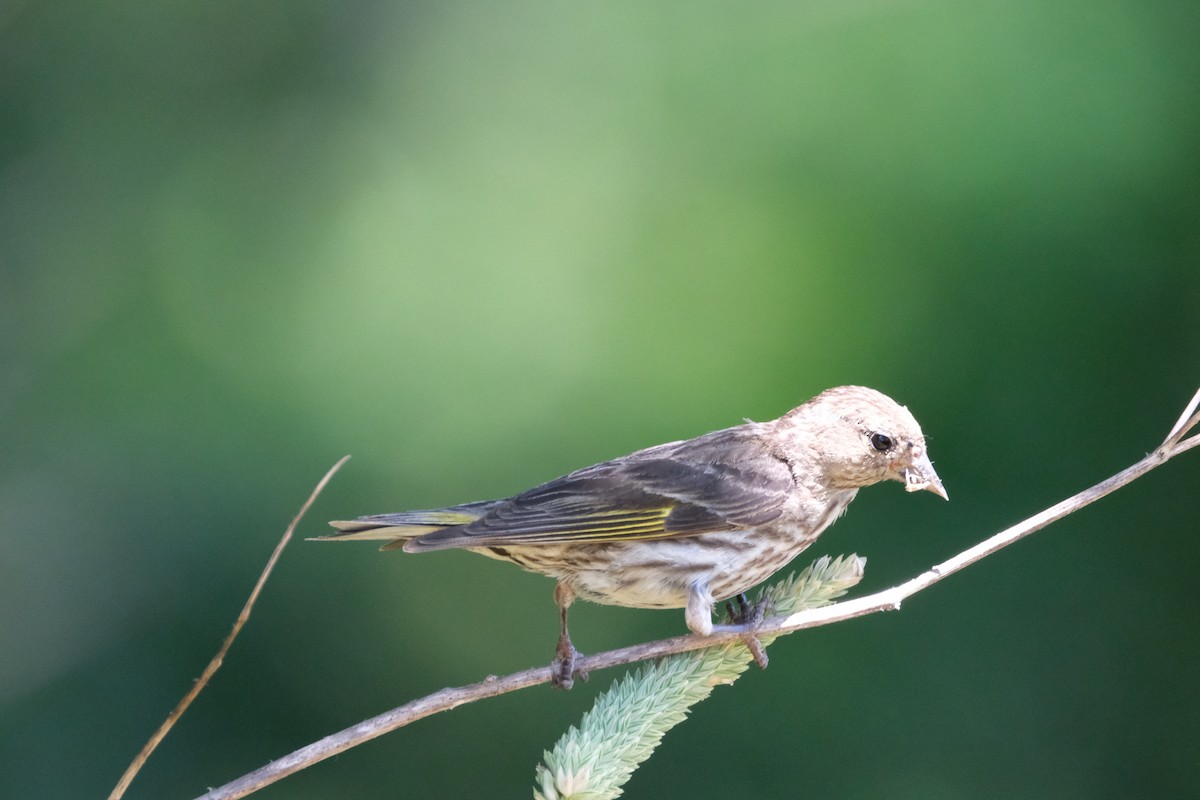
<point>397,529</point>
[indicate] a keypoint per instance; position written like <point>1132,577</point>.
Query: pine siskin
<point>684,524</point>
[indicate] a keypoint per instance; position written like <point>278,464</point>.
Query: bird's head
<point>860,436</point>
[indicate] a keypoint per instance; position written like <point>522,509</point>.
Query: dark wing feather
<point>722,481</point>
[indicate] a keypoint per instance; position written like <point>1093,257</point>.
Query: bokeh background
<point>478,246</point>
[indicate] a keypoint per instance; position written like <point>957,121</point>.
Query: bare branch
<point>1186,444</point>
<point>886,600</point>
<point>214,665</point>
<point>1184,424</point>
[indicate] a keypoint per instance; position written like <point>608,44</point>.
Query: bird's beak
<point>920,475</point>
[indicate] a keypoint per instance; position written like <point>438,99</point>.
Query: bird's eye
<point>882,442</point>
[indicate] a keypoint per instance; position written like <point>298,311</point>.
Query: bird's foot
<point>563,668</point>
<point>750,615</point>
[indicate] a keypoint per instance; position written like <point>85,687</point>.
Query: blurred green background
<point>478,246</point>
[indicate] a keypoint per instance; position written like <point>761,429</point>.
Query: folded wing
<point>722,481</point>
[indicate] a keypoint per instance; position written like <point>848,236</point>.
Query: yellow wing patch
<point>597,526</point>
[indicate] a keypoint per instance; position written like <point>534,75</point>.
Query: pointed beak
<point>920,475</point>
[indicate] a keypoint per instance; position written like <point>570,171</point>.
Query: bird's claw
<point>757,651</point>
<point>563,668</point>
<point>750,615</point>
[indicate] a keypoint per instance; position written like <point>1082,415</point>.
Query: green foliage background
<point>478,246</point>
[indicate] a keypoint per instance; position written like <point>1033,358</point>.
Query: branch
<point>886,600</point>
<point>594,759</point>
<point>140,759</point>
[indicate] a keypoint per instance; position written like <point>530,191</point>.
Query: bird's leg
<point>699,608</point>
<point>562,668</point>
<point>751,616</point>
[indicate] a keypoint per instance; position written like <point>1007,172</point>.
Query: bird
<point>685,524</point>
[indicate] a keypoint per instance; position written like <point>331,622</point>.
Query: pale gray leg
<point>699,608</point>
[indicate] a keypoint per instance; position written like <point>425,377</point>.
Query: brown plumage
<point>688,523</point>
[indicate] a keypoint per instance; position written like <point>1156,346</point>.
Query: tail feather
<point>398,528</point>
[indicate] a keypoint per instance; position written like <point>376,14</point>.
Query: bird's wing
<point>722,481</point>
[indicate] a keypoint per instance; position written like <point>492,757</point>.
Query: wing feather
<point>722,481</point>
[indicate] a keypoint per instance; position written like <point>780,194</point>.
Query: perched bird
<point>684,524</point>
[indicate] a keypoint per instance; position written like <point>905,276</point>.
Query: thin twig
<point>214,665</point>
<point>1184,424</point>
<point>886,600</point>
